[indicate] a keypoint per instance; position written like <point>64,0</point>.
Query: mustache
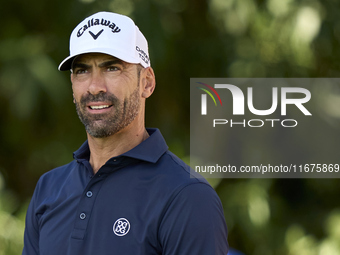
<point>100,97</point>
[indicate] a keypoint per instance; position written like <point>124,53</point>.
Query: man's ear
<point>71,77</point>
<point>148,82</point>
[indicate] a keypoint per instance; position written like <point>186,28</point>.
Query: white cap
<point>110,33</point>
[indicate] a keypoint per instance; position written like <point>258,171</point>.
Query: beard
<point>107,124</point>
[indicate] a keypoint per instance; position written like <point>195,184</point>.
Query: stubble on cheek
<point>120,116</point>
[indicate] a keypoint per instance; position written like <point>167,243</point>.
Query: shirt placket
<point>86,205</point>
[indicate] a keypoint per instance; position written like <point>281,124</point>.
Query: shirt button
<point>89,194</point>
<point>82,216</point>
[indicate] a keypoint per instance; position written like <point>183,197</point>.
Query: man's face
<point>106,92</point>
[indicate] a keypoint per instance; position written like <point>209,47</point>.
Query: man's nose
<point>97,84</point>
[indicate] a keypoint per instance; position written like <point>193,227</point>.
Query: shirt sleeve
<point>194,223</point>
<point>31,235</point>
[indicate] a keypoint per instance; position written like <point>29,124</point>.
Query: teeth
<point>97,107</point>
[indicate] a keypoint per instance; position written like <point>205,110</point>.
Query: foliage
<point>187,38</point>
<point>11,224</point>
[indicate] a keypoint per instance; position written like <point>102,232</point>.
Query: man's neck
<point>102,149</point>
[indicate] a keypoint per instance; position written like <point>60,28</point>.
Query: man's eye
<point>112,68</point>
<point>81,71</point>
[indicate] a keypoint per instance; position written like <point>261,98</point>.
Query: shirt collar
<point>149,150</point>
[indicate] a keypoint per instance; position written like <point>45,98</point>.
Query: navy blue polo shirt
<point>140,203</point>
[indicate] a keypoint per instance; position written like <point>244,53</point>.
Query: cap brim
<point>66,64</point>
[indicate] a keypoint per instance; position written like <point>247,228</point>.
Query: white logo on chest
<point>121,227</point>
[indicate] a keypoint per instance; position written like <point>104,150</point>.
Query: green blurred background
<point>187,38</point>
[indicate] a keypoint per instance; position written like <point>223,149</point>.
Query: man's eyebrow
<point>80,65</point>
<point>103,64</point>
<point>112,62</point>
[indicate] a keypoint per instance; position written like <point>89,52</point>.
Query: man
<point>124,193</point>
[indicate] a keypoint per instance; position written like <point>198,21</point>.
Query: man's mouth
<point>99,107</point>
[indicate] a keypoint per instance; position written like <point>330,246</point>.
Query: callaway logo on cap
<point>109,33</point>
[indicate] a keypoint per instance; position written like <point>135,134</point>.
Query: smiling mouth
<point>99,107</point>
